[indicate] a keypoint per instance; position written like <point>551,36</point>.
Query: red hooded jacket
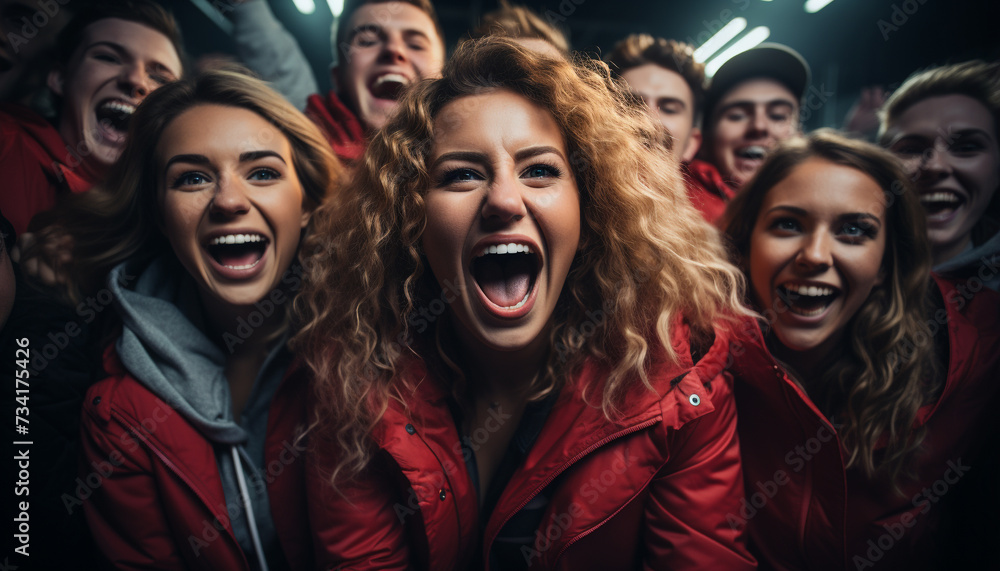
<point>37,165</point>
<point>650,490</point>
<point>340,127</point>
<point>806,510</point>
<point>706,189</point>
<point>142,456</point>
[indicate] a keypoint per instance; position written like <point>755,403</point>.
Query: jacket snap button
<point>695,400</point>
<point>410,429</point>
<point>96,401</point>
<point>443,495</point>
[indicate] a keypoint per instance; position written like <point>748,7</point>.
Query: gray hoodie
<point>980,262</point>
<point>164,347</point>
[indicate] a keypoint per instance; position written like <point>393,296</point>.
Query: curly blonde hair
<point>646,255</point>
<point>876,387</point>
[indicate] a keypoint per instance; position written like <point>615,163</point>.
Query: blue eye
<point>460,175</point>
<point>265,174</point>
<point>190,179</point>
<point>541,171</point>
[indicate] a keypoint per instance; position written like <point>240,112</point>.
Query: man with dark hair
<point>381,47</point>
<point>666,77</point>
<point>751,105</point>
<point>110,56</point>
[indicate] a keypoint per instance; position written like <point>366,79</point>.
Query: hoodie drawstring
<point>251,520</point>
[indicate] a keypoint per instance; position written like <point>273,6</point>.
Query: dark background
<point>843,43</point>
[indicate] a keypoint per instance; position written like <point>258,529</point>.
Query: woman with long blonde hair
<point>877,382</point>
<point>517,326</point>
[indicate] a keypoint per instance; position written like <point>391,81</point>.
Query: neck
<point>502,375</point>
<point>242,330</point>
<point>941,253</point>
<point>809,366</point>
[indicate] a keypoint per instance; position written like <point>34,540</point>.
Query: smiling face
<point>670,101</point>
<point>816,253</point>
<point>390,45</point>
<point>949,146</point>
<point>117,64</point>
<point>232,203</point>
<point>503,219</point>
<point>748,121</point>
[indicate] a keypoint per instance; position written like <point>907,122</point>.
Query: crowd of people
<point>512,308</point>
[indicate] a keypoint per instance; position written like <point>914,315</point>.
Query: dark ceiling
<point>849,44</point>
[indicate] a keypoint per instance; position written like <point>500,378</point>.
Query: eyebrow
<point>203,160</point>
<point>845,216</point>
<point>122,50</point>
<point>476,157</point>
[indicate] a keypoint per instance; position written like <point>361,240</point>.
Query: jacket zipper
<point>538,489</point>
<point>156,450</point>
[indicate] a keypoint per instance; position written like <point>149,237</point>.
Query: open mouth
<point>807,300</point>
<point>389,86</point>
<point>237,251</point>
<point>506,274</point>
<point>941,204</point>
<point>115,115</point>
<point>752,153</point>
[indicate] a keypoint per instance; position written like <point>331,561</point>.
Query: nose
<point>134,80</point>
<point>230,198</point>
<point>393,49</point>
<point>758,127</point>
<point>934,162</point>
<point>816,253</point>
<point>503,202</point>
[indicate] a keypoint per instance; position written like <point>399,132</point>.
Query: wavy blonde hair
<point>875,386</point>
<point>646,254</point>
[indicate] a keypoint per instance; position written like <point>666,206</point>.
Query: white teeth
<point>940,197</point>
<point>520,303</point>
<point>505,249</point>
<point>393,77</point>
<point>752,152</point>
<point>811,291</point>
<point>245,267</point>
<point>236,239</point>
<point>119,107</point>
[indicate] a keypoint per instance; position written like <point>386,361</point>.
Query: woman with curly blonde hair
<point>878,379</point>
<point>518,326</point>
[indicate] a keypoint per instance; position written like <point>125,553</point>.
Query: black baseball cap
<point>768,60</point>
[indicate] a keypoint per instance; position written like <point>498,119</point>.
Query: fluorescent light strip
<point>813,6</point>
<point>751,39</point>
<point>305,6</point>
<point>336,7</point>
<point>721,38</point>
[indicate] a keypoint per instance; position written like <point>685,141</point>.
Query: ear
<point>306,217</point>
<point>55,81</point>
<point>693,144</point>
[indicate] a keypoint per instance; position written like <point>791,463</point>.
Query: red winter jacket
<point>649,491</point>
<point>340,127</point>
<point>37,166</point>
<point>153,495</point>
<point>807,511</point>
<point>706,189</point>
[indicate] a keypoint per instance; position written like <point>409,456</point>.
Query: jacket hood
<point>985,256</point>
<point>165,349</point>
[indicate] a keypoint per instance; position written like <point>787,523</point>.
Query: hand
<point>45,255</point>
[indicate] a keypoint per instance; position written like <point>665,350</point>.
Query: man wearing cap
<point>751,105</point>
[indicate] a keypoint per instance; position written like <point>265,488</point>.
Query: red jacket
<point>707,190</point>
<point>340,127</point>
<point>37,165</point>
<point>807,511</point>
<point>153,494</point>
<point>651,490</point>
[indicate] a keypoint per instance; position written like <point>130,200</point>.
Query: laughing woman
<point>199,225</point>
<point>518,326</point>
<point>879,390</point>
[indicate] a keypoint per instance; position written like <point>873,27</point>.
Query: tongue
<point>505,283</point>
<point>237,254</point>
